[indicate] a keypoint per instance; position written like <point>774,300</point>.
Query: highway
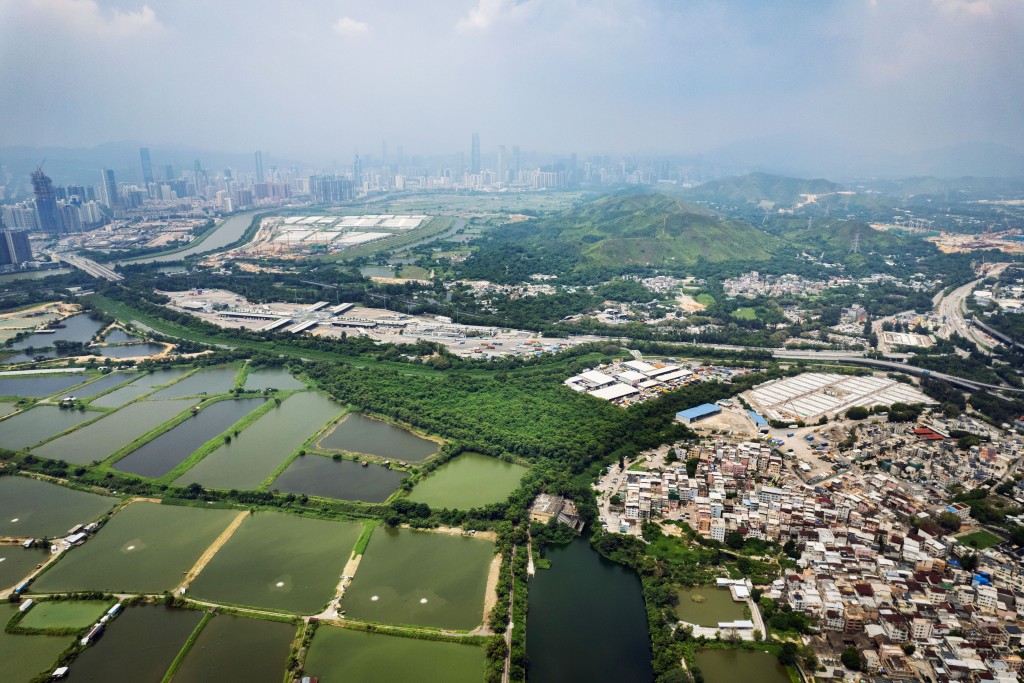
<point>90,267</point>
<point>951,308</point>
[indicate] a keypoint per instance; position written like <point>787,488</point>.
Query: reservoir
<point>587,620</point>
<point>227,232</point>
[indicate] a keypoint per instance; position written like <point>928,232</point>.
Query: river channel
<point>227,232</point>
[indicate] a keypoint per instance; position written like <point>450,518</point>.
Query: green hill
<point>615,232</point>
<point>657,229</point>
<point>758,187</point>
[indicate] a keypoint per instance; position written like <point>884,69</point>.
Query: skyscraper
<point>46,202</point>
<point>501,164</point>
<point>357,173</point>
<point>147,166</point>
<point>515,163</point>
<point>474,156</point>
<point>259,166</point>
<point>110,193</point>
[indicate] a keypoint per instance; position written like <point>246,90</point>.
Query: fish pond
<point>206,381</point>
<point>707,606</point>
<point>22,658</point>
<point>416,577</point>
<point>271,378</point>
<point>161,455</point>
<point>468,481</point>
<point>339,654</point>
<point>138,387</point>
<point>259,449</point>
<point>281,562</point>
<point>142,640</point>
<point>98,440</point>
<point>357,433</point>
<point>104,383</point>
<point>144,548</point>
<point>40,423</point>
<point>119,336</point>
<point>16,563</point>
<point>583,588</point>
<point>38,386</point>
<point>130,350</point>
<point>78,328</point>
<point>30,508</point>
<point>726,666</point>
<point>316,475</point>
<point>231,648</point>
<point>53,614</point>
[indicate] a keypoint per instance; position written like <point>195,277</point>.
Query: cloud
<point>86,17</point>
<point>349,27</point>
<point>486,13</point>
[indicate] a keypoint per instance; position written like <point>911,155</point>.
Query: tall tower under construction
<point>46,202</point>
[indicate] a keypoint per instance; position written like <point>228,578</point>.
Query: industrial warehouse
<point>813,395</point>
<point>635,381</point>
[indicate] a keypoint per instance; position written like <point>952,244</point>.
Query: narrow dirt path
<point>205,558</point>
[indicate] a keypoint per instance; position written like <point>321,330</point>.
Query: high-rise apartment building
<point>515,163</point>
<point>474,155</point>
<point>14,247</point>
<point>46,202</point>
<point>147,165</point>
<point>501,164</point>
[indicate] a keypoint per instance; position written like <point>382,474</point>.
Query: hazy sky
<point>319,79</point>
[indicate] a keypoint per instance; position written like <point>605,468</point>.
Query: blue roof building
<point>691,415</point>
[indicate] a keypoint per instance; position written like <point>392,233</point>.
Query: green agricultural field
<point>745,313</point>
<point>705,299</point>
<point>53,614</point>
<point>468,481</point>
<point>145,548</point>
<point>416,577</point>
<point>347,655</point>
<point>980,539</point>
<point>281,562</point>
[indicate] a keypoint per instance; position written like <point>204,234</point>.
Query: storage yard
<point>227,309</point>
<point>810,396</point>
<point>635,381</point>
<point>304,234</point>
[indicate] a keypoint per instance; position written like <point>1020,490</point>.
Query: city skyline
<point>690,79</point>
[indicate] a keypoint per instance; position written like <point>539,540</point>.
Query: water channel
<point>227,232</point>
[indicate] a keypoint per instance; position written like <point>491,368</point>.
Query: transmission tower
<point>855,247</point>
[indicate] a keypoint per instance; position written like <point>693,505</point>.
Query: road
<point>90,267</point>
<point>951,308</point>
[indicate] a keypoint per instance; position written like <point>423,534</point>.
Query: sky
<point>321,79</point>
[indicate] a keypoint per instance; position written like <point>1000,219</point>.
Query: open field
<point>346,655</point>
<point>279,562</point>
<point>30,508</point>
<point>144,548</point>
<point>415,577</point>
<point>979,539</point>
